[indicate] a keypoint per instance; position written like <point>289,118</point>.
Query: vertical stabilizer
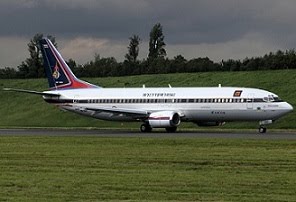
<point>58,73</point>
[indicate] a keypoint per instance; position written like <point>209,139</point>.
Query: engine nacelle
<point>164,119</point>
<point>209,123</point>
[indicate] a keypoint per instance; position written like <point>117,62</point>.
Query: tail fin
<point>58,73</point>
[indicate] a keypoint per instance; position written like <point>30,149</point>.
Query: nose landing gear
<point>262,129</point>
<point>262,125</point>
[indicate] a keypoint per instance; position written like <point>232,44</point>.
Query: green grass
<point>22,110</point>
<point>157,169</point>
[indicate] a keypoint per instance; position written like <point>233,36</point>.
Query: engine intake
<point>164,119</point>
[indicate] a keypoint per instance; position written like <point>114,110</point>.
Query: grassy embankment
<point>92,169</point>
<point>22,110</point>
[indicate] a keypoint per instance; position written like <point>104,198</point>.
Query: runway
<point>156,134</point>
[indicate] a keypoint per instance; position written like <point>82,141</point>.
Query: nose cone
<point>288,107</point>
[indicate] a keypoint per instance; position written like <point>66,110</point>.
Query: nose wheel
<point>262,129</point>
<point>262,125</point>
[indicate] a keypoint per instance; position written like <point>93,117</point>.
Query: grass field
<point>153,169</point>
<point>22,110</point>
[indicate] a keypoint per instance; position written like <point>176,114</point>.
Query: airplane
<point>156,107</point>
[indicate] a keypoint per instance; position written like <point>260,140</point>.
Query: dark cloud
<point>189,21</point>
<point>185,22</point>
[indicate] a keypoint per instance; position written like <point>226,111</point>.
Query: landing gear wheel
<point>145,128</point>
<point>262,129</point>
<point>171,129</point>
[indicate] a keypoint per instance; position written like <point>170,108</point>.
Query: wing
<point>135,113</point>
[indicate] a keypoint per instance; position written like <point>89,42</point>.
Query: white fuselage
<point>193,104</point>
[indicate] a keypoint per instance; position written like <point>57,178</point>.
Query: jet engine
<point>164,119</point>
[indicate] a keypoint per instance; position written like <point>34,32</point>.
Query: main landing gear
<point>146,128</point>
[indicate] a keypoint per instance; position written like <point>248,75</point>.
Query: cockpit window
<point>277,99</point>
<point>272,98</point>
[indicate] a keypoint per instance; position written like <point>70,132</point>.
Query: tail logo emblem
<point>56,74</point>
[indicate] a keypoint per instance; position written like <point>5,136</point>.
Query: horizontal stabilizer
<point>33,92</point>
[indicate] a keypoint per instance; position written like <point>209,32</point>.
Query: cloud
<point>192,26</point>
<point>13,51</point>
<point>18,4</point>
<point>250,45</point>
<point>189,21</point>
<point>95,5</point>
<point>83,50</point>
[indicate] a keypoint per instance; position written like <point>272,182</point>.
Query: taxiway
<point>156,134</point>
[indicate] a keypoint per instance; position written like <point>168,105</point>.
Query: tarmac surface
<point>156,134</point>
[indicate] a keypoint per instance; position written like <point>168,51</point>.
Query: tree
<point>156,43</point>
<point>131,64</point>
<point>230,65</point>
<point>200,65</point>
<point>100,67</point>
<point>133,49</point>
<point>33,66</point>
<point>178,64</point>
<point>8,73</point>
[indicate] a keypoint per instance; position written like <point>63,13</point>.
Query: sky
<point>218,29</point>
